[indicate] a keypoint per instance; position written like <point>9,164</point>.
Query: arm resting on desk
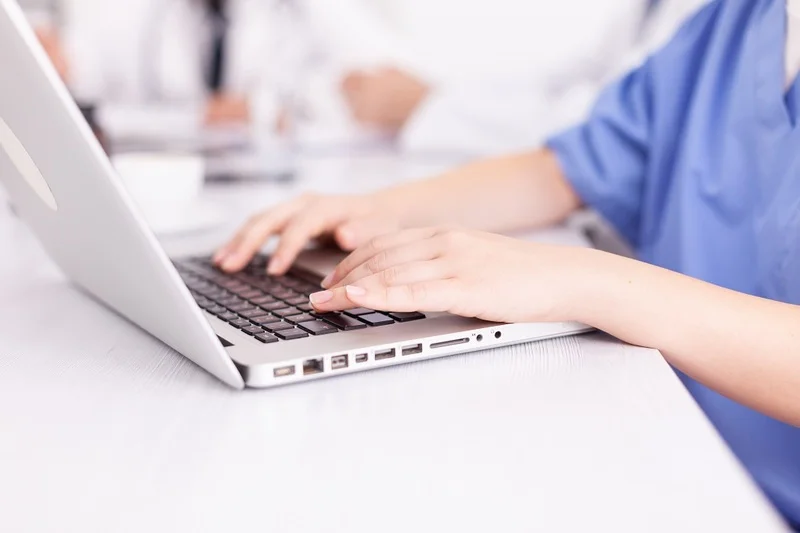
<point>741,346</point>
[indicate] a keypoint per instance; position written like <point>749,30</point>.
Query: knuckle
<point>418,292</point>
<point>376,263</point>
<point>390,276</point>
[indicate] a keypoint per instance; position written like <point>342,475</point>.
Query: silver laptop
<point>246,329</point>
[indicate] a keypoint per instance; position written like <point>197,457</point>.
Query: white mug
<point>165,186</point>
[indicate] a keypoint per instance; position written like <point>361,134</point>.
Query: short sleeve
<point>623,148</point>
<point>605,158</point>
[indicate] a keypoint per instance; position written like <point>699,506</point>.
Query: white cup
<point>166,187</point>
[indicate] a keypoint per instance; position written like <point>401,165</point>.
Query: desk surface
<point>105,429</point>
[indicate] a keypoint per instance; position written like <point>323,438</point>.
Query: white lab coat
<point>505,73</point>
<point>156,51</point>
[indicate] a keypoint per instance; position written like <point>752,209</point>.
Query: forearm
<point>741,346</point>
<point>508,193</point>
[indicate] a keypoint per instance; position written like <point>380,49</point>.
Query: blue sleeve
<point>607,159</point>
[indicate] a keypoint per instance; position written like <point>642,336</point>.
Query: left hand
<point>385,98</point>
<point>225,109</point>
<point>468,273</point>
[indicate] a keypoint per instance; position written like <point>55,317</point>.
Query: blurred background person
<point>483,76</point>
<point>439,76</point>
<point>214,54</point>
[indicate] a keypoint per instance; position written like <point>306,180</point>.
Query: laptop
<point>247,329</point>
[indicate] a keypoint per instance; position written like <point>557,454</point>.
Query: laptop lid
<point>64,187</point>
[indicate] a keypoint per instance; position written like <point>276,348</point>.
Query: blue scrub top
<point>695,158</point>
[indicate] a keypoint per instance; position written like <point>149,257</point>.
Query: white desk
<point>104,429</point>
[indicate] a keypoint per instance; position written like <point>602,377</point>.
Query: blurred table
<point>105,429</point>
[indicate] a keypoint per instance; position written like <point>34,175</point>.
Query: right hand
<point>350,220</point>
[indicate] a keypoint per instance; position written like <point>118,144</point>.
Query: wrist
<point>590,285</point>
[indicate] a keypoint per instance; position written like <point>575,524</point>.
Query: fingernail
<point>327,281</point>
<point>347,238</point>
<point>230,262</point>
<point>352,290</point>
<point>321,297</point>
<point>275,266</point>
<point>220,256</point>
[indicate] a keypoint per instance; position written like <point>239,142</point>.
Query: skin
<point>225,109</point>
<point>386,98</point>
<point>408,257</point>
<point>51,43</point>
<point>222,109</point>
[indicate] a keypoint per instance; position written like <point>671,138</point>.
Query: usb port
<point>283,371</point>
<point>338,362</point>
<point>313,366</point>
<point>385,354</point>
<point>362,358</point>
<point>412,350</point>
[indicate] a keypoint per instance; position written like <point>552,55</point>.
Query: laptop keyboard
<point>273,309</point>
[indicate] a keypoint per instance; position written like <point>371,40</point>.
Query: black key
<point>376,319</point>
<point>305,308</point>
<point>267,319</point>
<point>245,292</point>
<point>358,311</point>
<point>252,293</point>
<point>297,319</point>
<point>240,323</point>
<point>228,316</point>
<point>234,285</point>
<point>261,300</point>
<point>252,313</point>
<point>273,306</point>
<point>216,294</point>
<point>407,317</point>
<point>299,300</point>
<point>344,322</point>
<point>308,288</point>
<point>278,326</point>
<point>266,286</point>
<point>253,330</point>
<point>288,311</point>
<point>217,310</point>
<point>318,327</point>
<point>291,334</point>
<point>266,338</point>
<point>230,300</point>
<point>284,294</point>
<point>238,308</point>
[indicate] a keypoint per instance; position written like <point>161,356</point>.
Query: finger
<point>295,237</point>
<point>374,247</point>
<point>358,232</point>
<point>391,262</point>
<point>241,249</point>
<point>428,296</point>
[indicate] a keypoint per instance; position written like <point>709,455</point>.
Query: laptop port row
<point>343,361</point>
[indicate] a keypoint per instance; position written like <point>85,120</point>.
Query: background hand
<point>225,109</point>
<point>385,98</point>
<point>350,220</point>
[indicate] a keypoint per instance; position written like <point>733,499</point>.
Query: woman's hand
<point>350,220</point>
<point>467,273</point>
